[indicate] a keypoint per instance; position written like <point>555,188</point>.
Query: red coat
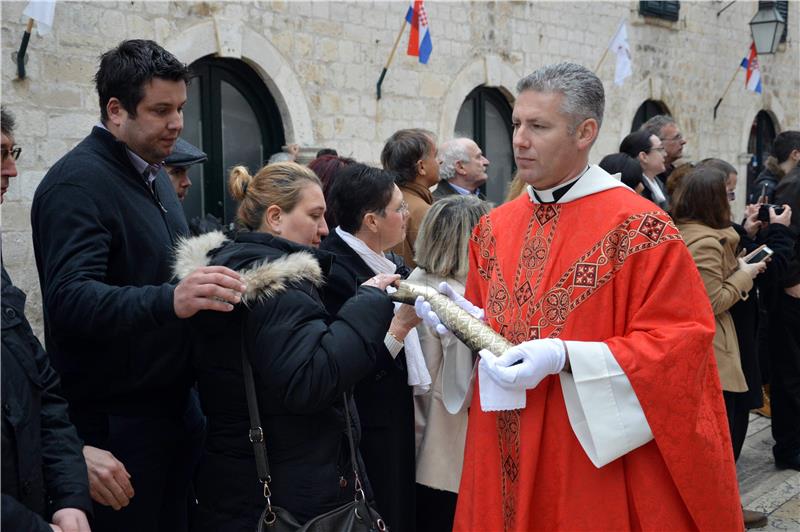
<point>607,267</point>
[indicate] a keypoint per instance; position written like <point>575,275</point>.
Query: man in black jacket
<point>43,473</point>
<point>105,220</point>
<point>784,338</point>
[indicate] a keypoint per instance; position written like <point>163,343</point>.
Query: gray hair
<point>450,153</point>
<point>281,157</point>
<point>656,124</point>
<point>7,121</point>
<point>442,245</point>
<point>583,92</point>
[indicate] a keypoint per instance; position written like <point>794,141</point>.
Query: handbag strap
<point>256,433</point>
<point>256,437</point>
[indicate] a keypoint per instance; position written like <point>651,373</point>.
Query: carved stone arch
<point>652,88</point>
<point>772,106</point>
<point>491,71</point>
<point>231,38</point>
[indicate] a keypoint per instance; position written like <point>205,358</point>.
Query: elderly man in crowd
<point>177,164</point>
<point>44,482</point>
<point>462,169</point>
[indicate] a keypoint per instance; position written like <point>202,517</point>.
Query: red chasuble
<point>607,267</point>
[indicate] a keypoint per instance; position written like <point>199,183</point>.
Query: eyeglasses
<point>13,152</point>
<point>676,138</point>
<point>661,149</point>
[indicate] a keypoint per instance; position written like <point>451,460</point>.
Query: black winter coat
<point>104,243</point>
<point>303,360</point>
<point>42,464</point>
<point>385,400</point>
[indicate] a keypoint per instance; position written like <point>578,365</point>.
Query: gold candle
<point>473,332</point>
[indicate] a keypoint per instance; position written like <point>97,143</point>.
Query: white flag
<point>619,45</point>
<point>43,12</point>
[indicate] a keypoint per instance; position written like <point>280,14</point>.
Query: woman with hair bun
<point>303,359</point>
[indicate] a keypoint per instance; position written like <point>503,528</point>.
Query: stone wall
<point>321,61</point>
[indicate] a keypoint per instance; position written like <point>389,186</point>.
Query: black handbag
<point>356,516</point>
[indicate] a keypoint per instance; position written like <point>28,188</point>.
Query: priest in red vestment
<point>608,414</point>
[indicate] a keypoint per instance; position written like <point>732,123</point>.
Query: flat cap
<point>185,154</point>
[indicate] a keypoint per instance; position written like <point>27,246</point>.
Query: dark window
<point>662,10</point>
<point>485,117</point>
<point>646,111</point>
<point>231,115</point>
<point>783,9</point>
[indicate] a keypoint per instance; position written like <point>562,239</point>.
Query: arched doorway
<point>648,110</point>
<point>485,117</point>
<point>759,145</point>
<point>232,116</point>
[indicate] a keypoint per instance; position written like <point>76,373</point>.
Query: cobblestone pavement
<point>762,486</point>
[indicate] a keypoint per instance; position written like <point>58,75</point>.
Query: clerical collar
<point>552,195</point>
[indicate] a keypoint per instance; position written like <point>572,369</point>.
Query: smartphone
<point>763,211</point>
<point>760,253</point>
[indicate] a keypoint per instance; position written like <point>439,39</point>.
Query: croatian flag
<point>753,80</point>
<point>419,42</point>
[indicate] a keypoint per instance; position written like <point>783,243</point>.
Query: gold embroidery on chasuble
<point>523,311</point>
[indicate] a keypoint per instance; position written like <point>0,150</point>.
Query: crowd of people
<point>209,380</point>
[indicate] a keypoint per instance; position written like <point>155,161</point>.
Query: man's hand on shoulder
<point>70,520</point>
<point>208,288</point>
<point>109,481</point>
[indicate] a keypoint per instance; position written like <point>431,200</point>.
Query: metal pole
<point>391,56</point>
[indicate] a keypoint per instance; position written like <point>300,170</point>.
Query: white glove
<point>460,300</point>
<point>429,317</point>
<point>537,359</point>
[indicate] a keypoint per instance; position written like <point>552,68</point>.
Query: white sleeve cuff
<point>603,409</point>
<point>392,344</point>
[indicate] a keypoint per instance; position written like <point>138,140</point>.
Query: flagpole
<point>23,47</point>
<point>719,102</point>
<point>605,53</point>
<point>391,56</point>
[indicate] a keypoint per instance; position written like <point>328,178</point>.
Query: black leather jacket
<point>43,469</point>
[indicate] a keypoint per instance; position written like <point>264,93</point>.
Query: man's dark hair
<point>784,144</point>
<point>360,189</point>
<point>326,151</point>
<point>404,149</point>
<point>637,142</point>
<point>703,198</point>
<point>126,69</point>
<point>7,122</point>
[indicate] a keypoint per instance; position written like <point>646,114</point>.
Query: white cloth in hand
<point>520,368</point>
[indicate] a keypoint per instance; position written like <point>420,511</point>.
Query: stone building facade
<point>319,62</point>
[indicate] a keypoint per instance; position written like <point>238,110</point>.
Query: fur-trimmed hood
<point>264,278</point>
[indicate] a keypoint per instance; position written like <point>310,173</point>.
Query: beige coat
<point>419,200</point>
<point>714,252</point>
<point>440,416</point>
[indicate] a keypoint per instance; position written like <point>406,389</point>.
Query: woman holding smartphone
<point>702,213</point>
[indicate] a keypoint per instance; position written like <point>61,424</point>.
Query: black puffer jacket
<point>303,361</point>
<point>42,465</point>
